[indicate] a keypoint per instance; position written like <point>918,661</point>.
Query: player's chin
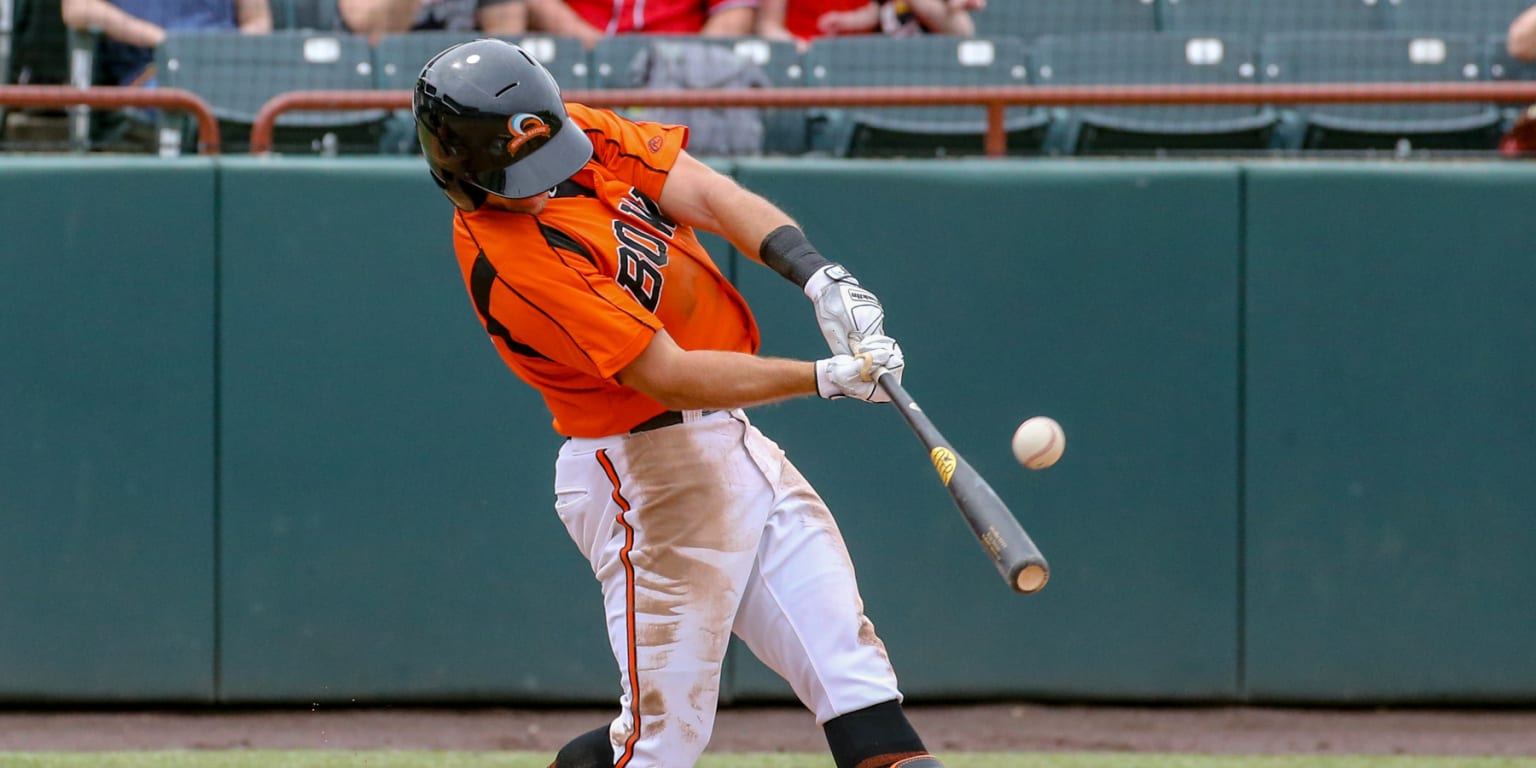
<point>530,205</point>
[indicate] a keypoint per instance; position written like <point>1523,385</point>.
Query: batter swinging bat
<point>1011,549</point>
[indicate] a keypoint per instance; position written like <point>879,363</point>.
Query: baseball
<point>1038,442</point>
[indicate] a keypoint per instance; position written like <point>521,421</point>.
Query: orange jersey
<point>573,294</point>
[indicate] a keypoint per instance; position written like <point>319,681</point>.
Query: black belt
<point>663,419</point>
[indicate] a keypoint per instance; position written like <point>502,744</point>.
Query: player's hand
<point>857,375</point>
<point>845,310</point>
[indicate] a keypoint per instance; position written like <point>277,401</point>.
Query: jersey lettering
<point>646,210</point>
<point>641,257</point>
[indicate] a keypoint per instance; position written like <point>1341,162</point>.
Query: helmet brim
<point>543,169</point>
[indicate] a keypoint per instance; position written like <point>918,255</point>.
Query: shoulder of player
<point>591,118</point>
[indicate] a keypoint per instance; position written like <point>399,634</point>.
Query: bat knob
<point>1031,578</point>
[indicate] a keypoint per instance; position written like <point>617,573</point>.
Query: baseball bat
<point>994,526</point>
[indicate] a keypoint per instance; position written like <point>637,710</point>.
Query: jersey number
<point>641,257</point>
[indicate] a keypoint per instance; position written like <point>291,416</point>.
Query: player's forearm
<point>1522,35</point>
<point>745,218</point>
<point>711,379</point>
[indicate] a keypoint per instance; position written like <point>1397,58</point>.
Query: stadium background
<point>255,452</point>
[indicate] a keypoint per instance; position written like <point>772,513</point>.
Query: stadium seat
<point>398,60</point>
<point>1152,58</point>
<point>615,61</point>
<point>1029,19</point>
<point>236,74</point>
<point>1382,57</point>
<point>1454,17</point>
<point>1256,17</point>
<point>318,15</point>
<point>920,61</point>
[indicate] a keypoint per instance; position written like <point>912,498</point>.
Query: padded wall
<point>1391,433</point>
<point>107,430</point>
<point>1103,295</point>
<point>387,483</point>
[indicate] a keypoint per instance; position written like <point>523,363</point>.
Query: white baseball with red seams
<point>1039,442</point>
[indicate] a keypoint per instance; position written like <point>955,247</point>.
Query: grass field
<point>379,759</point>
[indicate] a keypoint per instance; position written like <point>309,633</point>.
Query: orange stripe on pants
<point>629,606</point>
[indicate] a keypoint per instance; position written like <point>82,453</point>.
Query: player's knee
<point>877,737</point>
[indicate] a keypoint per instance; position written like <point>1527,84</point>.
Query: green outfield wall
<point>255,448</point>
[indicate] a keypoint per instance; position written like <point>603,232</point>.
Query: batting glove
<point>856,375</point>
<point>845,310</point>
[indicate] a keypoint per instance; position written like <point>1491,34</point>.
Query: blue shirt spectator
<point>131,29</point>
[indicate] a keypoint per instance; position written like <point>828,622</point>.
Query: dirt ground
<point>946,728</point>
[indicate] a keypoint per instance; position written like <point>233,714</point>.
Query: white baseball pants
<point>696,531</point>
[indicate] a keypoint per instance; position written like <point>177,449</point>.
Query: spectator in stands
<point>131,29</point>
<point>591,20</point>
<point>376,18</point>
<point>805,20</point>
<point>1522,35</point>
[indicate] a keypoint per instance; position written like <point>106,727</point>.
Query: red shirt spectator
<point>592,19</point>
<point>800,15</point>
<point>805,20</point>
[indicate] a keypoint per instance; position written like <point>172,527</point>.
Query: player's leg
<point>803,616</point>
<point>669,520</point>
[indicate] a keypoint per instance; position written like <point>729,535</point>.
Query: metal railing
<point>996,99</point>
<point>52,96</point>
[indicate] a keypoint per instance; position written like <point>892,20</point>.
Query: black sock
<point>873,737</point>
<point>589,750</point>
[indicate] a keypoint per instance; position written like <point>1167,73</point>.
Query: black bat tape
<point>994,526</point>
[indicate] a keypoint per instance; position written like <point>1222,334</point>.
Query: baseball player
<point>574,229</point>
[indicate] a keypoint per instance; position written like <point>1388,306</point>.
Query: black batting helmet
<point>491,121</point>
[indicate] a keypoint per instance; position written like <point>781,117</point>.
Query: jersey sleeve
<point>570,314</point>
<point>640,153</point>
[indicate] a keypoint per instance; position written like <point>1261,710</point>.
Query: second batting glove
<point>845,310</point>
<point>856,375</point>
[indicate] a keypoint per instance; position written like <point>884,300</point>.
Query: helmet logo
<point>525,127</point>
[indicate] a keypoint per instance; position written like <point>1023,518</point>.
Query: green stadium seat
<point>1454,17</point>
<point>320,15</point>
<point>1153,58</point>
<point>614,62</point>
<point>930,60</point>
<point>398,60</point>
<point>1382,57</point>
<point>1255,17</point>
<point>1029,19</point>
<point>236,74</point>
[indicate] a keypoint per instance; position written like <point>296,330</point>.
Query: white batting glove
<point>856,375</point>
<point>845,310</point>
